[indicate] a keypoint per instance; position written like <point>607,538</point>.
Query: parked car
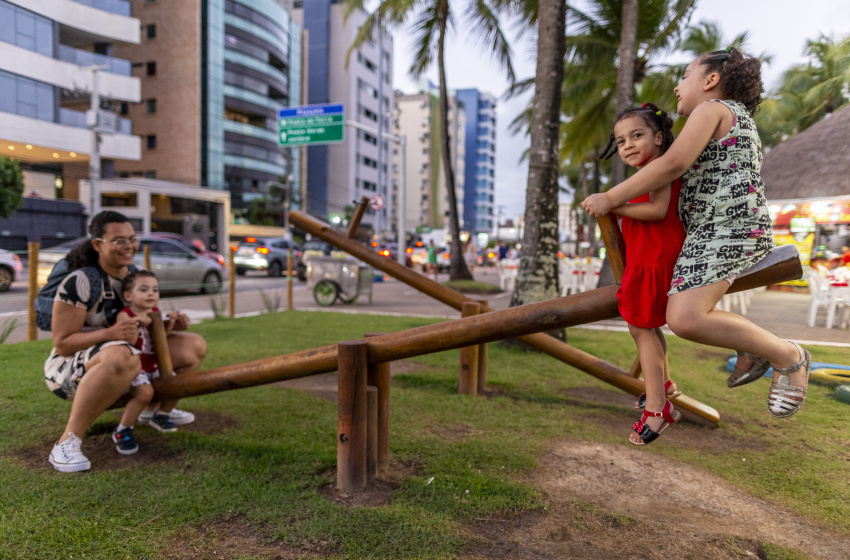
<point>10,269</point>
<point>178,268</point>
<point>195,246</point>
<point>269,255</point>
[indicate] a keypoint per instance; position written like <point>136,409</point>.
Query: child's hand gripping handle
<point>160,344</point>
<point>614,244</point>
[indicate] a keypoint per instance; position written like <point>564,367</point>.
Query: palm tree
<point>625,75</point>
<point>538,267</point>
<point>808,92</point>
<point>434,19</point>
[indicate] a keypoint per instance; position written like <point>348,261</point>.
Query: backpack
<point>44,300</point>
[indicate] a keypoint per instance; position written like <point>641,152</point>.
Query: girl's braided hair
<point>655,118</point>
<point>740,75</point>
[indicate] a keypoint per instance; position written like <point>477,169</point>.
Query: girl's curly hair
<point>740,76</point>
<point>655,118</point>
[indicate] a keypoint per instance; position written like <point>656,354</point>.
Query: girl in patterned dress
<point>653,235</point>
<point>724,211</point>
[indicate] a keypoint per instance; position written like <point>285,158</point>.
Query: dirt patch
<point>231,538</point>
<point>611,501</point>
<point>452,432</point>
<point>378,492</point>
<point>325,385</point>
<point>100,450</point>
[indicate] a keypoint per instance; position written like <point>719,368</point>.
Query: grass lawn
<point>270,463</point>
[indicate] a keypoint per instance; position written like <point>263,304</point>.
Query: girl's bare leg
<point>652,362</point>
<point>692,315</point>
<point>663,342</point>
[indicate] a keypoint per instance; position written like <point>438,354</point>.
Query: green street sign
<point>311,125</point>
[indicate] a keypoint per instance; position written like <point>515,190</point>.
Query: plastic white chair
<point>819,290</point>
<point>508,269</point>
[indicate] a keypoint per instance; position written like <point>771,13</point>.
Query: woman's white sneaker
<point>180,417</point>
<point>68,457</point>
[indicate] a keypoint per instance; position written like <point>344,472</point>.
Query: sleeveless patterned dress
<point>723,208</point>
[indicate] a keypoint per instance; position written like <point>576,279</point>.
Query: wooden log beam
<point>515,322</point>
<point>358,215</point>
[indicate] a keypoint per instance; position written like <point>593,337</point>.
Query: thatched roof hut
<point>812,164</point>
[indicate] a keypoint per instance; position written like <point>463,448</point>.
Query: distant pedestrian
<point>503,250</point>
<point>432,259</point>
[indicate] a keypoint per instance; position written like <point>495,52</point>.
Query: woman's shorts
<point>63,373</point>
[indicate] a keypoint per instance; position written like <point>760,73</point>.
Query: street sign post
<point>376,202</point>
<point>311,125</point>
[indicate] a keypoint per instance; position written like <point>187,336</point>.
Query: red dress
<point>652,248</point>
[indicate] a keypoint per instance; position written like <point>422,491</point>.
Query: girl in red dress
<point>653,234</point>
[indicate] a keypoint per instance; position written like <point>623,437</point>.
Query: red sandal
<point>641,402</point>
<point>647,434</point>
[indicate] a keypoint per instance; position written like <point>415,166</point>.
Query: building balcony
<point>119,7</point>
<point>86,58</point>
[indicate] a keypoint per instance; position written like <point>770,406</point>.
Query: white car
<point>10,269</point>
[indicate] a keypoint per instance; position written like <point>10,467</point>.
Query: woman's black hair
<point>85,254</point>
<point>655,118</point>
<point>740,76</point>
<point>129,280</point>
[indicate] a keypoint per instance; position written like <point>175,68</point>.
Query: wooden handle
<point>160,344</point>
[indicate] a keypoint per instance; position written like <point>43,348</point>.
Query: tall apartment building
<point>47,50</point>
<point>341,173</point>
<point>418,119</point>
<point>214,73</point>
<point>480,187</point>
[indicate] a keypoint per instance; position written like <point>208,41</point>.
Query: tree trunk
<point>458,269</point>
<point>625,76</point>
<point>537,279</point>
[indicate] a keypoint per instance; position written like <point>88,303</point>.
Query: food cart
<point>333,279</point>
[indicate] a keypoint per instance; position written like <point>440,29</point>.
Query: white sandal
<point>784,399</point>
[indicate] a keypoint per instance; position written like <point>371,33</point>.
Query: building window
<point>124,174</point>
<point>151,141</point>
<point>150,31</point>
<point>150,106</point>
<point>125,108</point>
<point>151,68</point>
<point>151,174</point>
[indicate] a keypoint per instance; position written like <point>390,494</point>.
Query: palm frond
<point>485,26</point>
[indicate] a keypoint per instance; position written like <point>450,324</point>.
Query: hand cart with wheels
<point>333,279</point>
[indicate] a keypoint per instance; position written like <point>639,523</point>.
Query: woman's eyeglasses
<point>120,242</point>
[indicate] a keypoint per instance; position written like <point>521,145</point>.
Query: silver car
<point>177,267</point>
<point>10,269</point>
<point>269,255</point>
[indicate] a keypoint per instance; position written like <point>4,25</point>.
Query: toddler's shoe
<point>162,422</point>
<point>124,441</point>
<point>68,457</point>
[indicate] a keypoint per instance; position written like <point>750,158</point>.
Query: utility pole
<point>94,157</point>
<point>402,198</point>
<point>379,186</point>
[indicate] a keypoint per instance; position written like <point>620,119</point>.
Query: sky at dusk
<point>778,27</point>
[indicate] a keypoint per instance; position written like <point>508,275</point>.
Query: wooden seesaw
<point>355,360</point>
